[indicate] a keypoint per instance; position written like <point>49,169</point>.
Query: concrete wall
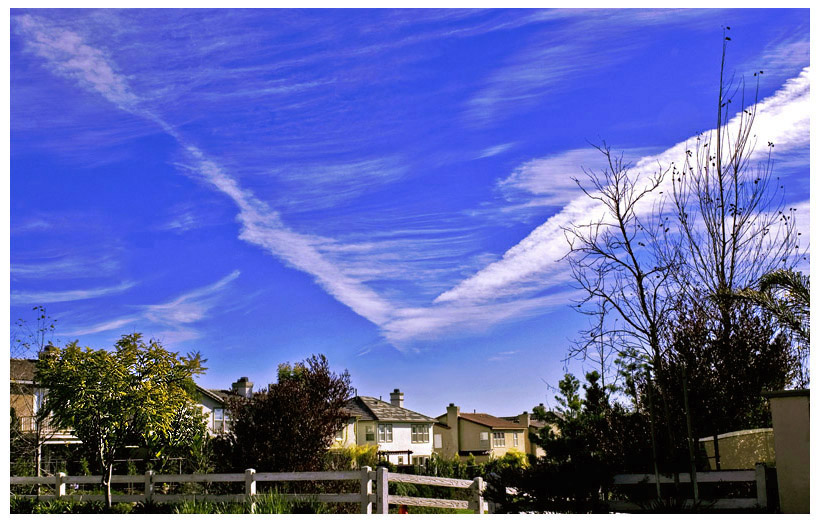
<point>741,449</point>
<point>790,417</point>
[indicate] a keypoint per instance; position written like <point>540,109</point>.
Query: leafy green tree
<point>786,295</point>
<point>132,395</point>
<point>288,426</point>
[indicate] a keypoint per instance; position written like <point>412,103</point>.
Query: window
<point>219,420</point>
<point>401,460</point>
<point>498,439</point>
<point>437,440</point>
<point>370,433</point>
<point>385,433</point>
<point>340,435</point>
<point>420,461</point>
<point>515,439</point>
<point>419,434</point>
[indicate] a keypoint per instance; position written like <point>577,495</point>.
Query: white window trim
<point>499,442</point>
<point>385,433</point>
<point>419,433</point>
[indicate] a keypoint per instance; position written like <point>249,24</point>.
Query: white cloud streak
<point>46,297</point>
<point>782,118</point>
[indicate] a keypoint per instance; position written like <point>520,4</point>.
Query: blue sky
<point>384,187</point>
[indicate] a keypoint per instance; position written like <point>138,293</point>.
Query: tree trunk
<point>107,483</point>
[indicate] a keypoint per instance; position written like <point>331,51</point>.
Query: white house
<point>403,437</point>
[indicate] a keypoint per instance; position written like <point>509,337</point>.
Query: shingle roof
<point>370,409</point>
<point>490,421</point>
<point>22,370</point>
<point>534,423</point>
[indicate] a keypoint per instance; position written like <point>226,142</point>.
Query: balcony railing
<point>30,425</point>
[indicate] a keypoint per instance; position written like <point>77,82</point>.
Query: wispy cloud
<point>188,308</point>
<point>46,297</point>
<point>64,267</point>
<point>495,150</point>
<point>503,355</point>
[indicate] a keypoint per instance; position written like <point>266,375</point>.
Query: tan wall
<point>741,449</point>
<point>790,417</point>
<point>448,449</point>
<point>23,404</point>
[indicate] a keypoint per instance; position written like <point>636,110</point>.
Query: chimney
<point>524,419</point>
<point>242,387</point>
<point>454,445</point>
<point>397,398</point>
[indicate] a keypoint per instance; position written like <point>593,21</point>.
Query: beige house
<point>481,435</point>
<point>533,425</point>
<point>403,437</point>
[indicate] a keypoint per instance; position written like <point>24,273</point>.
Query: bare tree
<point>33,429</point>
<point>624,282</point>
<point>731,224</point>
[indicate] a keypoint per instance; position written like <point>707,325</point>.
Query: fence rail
<point>373,496</point>
<point>757,476</point>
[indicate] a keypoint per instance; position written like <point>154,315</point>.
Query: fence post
<point>760,482</point>
<point>149,486</point>
<point>381,491</point>
<point>59,484</point>
<point>366,491</point>
<point>250,482</point>
<point>478,485</point>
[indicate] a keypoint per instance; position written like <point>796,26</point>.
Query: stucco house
<point>478,434</point>
<point>403,437</point>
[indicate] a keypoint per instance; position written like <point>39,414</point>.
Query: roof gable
<point>368,408</point>
<point>491,421</point>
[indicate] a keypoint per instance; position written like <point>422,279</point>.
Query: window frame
<point>496,440</point>
<point>385,433</point>
<point>370,432</point>
<point>515,439</point>
<point>419,433</point>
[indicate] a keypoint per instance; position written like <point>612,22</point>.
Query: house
<point>214,404</point>
<point>403,437</point>
<point>533,425</point>
<point>481,435</point>
<point>26,400</point>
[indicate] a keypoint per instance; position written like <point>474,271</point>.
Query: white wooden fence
<point>757,476</point>
<point>373,496</point>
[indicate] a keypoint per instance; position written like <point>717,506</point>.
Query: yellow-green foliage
<point>352,457</point>
<point>514,458</point>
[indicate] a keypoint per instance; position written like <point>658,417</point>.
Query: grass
<point>271,502</point>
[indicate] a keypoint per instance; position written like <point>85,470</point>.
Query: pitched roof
<point>534,423</point>
<point>215,394</point>
<point>490,421</point>
<point>370,409</point>
<point>22,370</point>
